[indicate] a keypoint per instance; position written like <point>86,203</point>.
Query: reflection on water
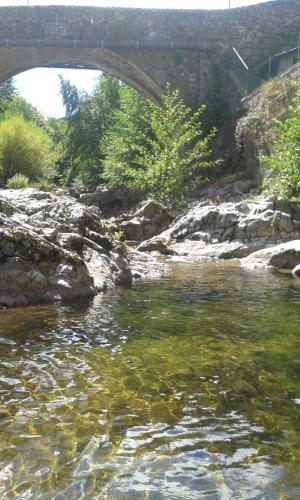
<point>183,387</point>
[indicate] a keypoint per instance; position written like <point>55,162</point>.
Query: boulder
<point>283,256</point>
<point>53,248</point>
<point>155,245</point>
<point>223,250</point>
<point>229,230</point>
<point>148,220</point>
<point>112,202</point>
<point>34,269</point>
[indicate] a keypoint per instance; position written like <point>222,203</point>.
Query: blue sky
<point>41,86</point>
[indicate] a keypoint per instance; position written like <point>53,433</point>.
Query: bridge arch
<point>15,60</point>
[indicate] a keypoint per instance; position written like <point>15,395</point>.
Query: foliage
<point>284,162</point>
<point>255,126</point>
<point>118,235</point>
<point>88,118</point>
<point>7,93</point>
<point>57,130</point>
<point>127,139</point>
<point>164,153</point>
<point>24,149</point>
<point>18,181</point>
<point>20,107</point>
<point>71,96</point>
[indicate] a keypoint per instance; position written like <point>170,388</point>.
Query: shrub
<point>24,149</point>
<point>18,181</point>
<point>283,165</point>
<point>166,155</point>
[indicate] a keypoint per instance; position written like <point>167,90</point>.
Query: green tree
<point>71,96</point>
<point>18,106</point>
<point>88,118</point>
<point>127,140</point>
<point>25,149</point>
<point>164,154</point>
<point>283,173</point>
<point>7,92</point>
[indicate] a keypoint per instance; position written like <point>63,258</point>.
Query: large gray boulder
<point>283,256</point>
<point>114,201</point>
<point>149,219</point>
<point>229,230</point>
<point>53,248</point>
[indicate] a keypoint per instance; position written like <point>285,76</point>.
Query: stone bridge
<point>147,48</point>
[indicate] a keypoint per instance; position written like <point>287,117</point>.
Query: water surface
<point>187,386</point>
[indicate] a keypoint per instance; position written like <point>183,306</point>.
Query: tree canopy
<point>158,149</point>
<point>7,92</point>
<point>112,136</point>
<point>88,118</point>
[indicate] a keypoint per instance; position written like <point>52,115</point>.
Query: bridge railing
<point>249,78</point>
<point>106,44</point>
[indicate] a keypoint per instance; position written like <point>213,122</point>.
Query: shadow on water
<point>182,387</point>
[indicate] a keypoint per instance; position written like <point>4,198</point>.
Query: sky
<point>40,86</point>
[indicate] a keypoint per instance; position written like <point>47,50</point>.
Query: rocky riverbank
<point>241,229</point>
<point>53,247</point>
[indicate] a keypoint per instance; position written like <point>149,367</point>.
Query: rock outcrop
<point>114,201</point>
<point>149,219</point>
<point>229,230</point>
<point>254,132</point>
<point>54,248</point>
<point>283,256</point>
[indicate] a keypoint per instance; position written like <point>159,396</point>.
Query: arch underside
<point>16,60</point>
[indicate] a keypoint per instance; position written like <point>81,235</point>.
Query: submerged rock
<point>54,248</point>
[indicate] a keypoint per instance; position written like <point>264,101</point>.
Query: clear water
<point>187,386</point>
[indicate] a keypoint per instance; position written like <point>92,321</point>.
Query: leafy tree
<point>57,130</point>
<point>88,118</point>
<point>284,162</point>
<point>128,138</point>
<point>7,92</point>
<point>164,154</point>
<point>24,149</point>
<point>71,96</point>
<point>18,106</point>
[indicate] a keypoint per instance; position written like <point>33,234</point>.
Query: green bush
<point>18,181</point>
<point>282,167</point>
<point>25,149</point>
<point>157,149</point>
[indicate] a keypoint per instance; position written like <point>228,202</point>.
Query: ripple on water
<point>184,387</point>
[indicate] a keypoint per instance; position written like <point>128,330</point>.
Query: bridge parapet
<point>255,31</point>
<point>147,48</point>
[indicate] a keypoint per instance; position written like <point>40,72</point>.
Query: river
<point>183,386</point>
